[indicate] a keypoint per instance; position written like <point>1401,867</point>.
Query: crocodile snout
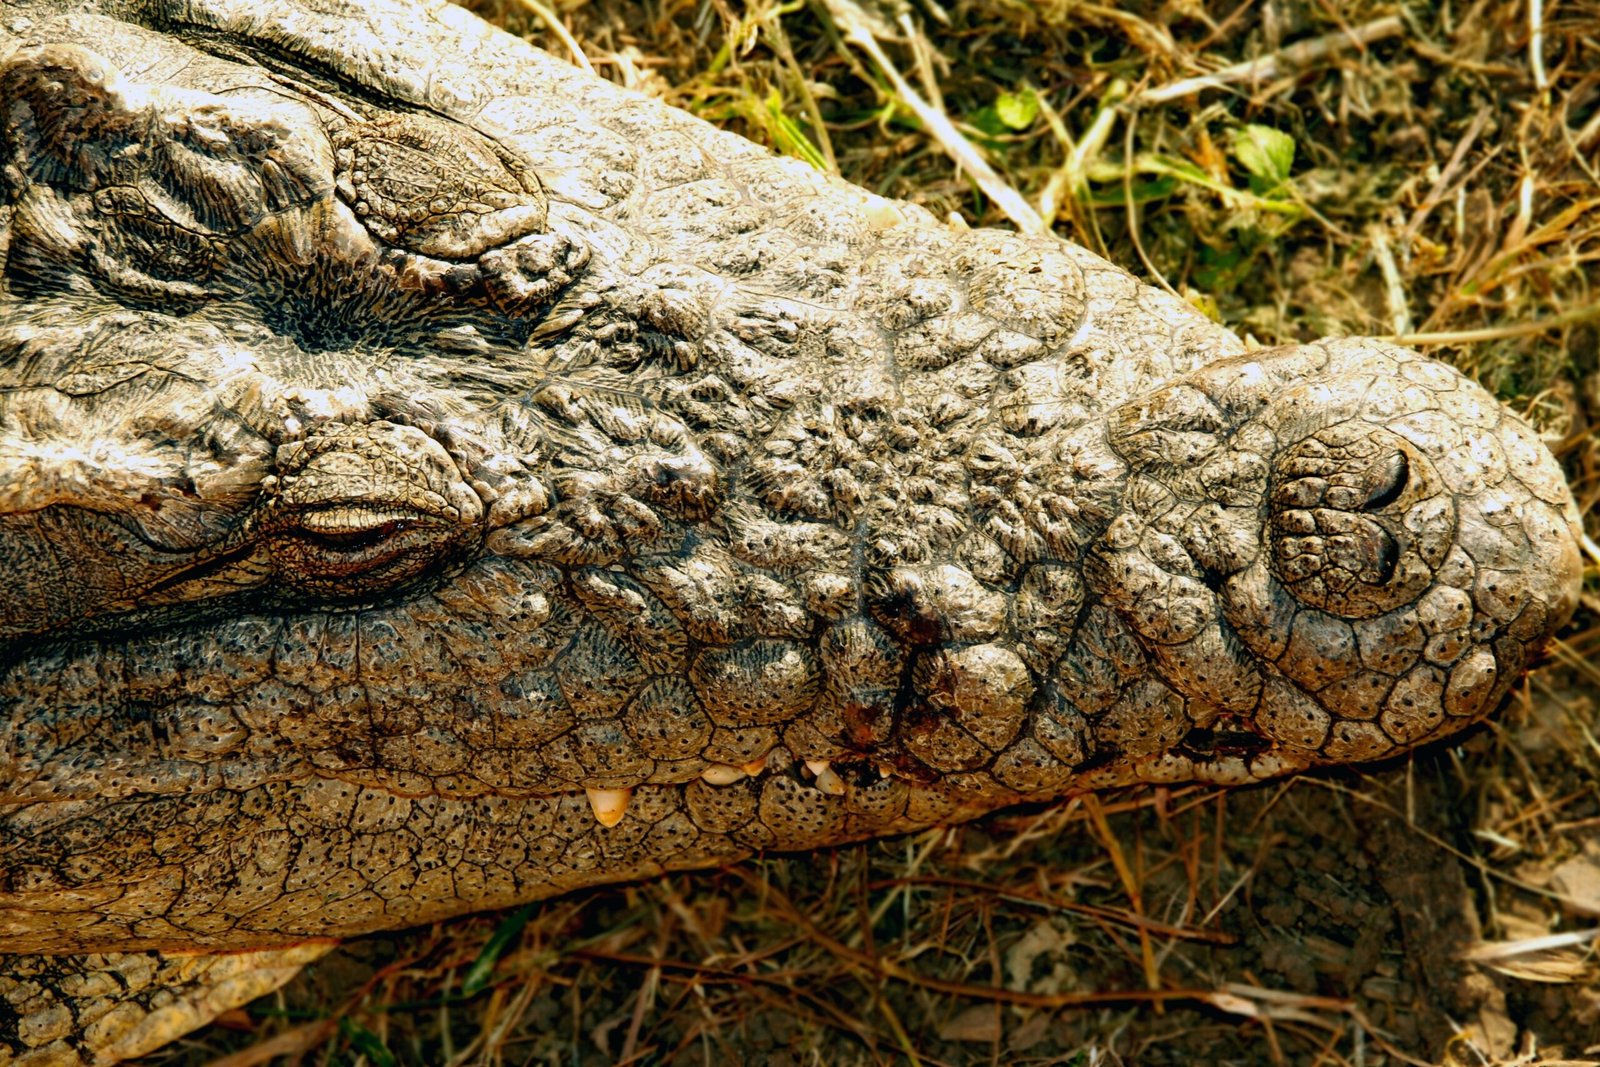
<point>1341,550</point>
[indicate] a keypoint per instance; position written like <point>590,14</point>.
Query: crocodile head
<point>343,591</point>
<point>241,578</point>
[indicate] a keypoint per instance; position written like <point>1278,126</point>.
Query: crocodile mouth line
<point>835,777</point>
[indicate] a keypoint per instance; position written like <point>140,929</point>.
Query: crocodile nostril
<point>1388,558</point>
<point>1362,545</point>
<point>1390,478</point>
<point>1361,548</point>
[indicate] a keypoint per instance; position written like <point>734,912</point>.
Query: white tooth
<point>883,215</point>
<point>756,766</point>
<point>609,804</point>
<point>816,766</point>
<point>829,782</point>
<point>721,774</point>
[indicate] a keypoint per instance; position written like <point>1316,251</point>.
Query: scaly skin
<point>590,494</point>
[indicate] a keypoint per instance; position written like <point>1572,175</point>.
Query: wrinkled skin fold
<point>413,501</point>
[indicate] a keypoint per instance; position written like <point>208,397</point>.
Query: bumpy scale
<point>388,532</point>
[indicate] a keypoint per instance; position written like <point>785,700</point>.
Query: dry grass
<point>1444,186</point>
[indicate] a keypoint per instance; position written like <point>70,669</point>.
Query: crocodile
<point>433,478</point>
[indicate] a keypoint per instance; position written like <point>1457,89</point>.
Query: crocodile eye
<point>359,509</point>
<point>360,540</point>
<point>356,529</point>
<point>346,551</point>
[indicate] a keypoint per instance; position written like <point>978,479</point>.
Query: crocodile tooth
<point>609,804</point>
<point>816,767</point>
<point>884,215</point>
<point>884,770</point>
<point>829,782</point>
<point>721,774</point>
<point>755,766</point>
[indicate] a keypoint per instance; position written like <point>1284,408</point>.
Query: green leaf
<point>1017,110</point>
<point>788,137</point>
<point>1144,192</point>
<point>482,969</point>
<point>368,1044</point>
<point>1267,154</point>
<point>986,120</point>
<point>1219,269</point>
